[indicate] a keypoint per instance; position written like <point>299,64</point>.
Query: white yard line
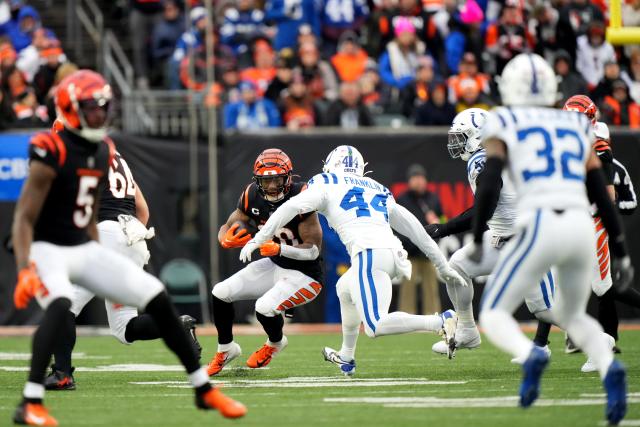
<point>27,356</point>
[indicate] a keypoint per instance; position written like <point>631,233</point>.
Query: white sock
<point>35,390</point>
<point>199,378</point>
<point>504,332</point>
<point>225,347</point>
<point>350,330</point>
<point>400,323</point>
<point>462,299</point>
<point>275,344</point>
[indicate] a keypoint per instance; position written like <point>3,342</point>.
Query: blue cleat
<point>532,368</point>
<point>348,367</point>
<point>615,384</point>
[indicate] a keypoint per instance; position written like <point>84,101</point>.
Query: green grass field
<point>399,382</point>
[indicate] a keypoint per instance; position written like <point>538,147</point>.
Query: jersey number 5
<point>354,199</point>
<point>547,153</point>
<point>84,201</point>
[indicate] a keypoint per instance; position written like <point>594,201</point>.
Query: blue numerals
<point>547,153</point>
<point>354,199</point>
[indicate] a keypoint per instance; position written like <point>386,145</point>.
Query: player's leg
<point>118,279</point>
<point>249,283</point>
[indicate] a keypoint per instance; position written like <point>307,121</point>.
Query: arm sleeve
<point>487,195</point>
<point>408,225</point>
<point>459,224</point>
<point>43,148</point>
<point>300,254</point>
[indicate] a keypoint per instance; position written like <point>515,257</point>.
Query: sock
<point>400,323</point>
<point>33,393</point>
<point>272,326</point>
<point>504,332</point>
<point>542,334</point>
<point>174,336</point>
<point>199,378</point>
<point>66,342</point>
<point>225,347</point>
<point>141,328</point>
<point>350,331</point>
<point>586,334</point>
<point>45,338</point>
<point>223,315</point>
<point>462,299</point>
<point>630,296</point>
<point>608,314</point>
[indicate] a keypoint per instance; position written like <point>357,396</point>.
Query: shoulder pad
<point>49,144</point>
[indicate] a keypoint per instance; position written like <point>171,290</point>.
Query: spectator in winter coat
<point>264,70</point>
<point>189,42</point>
<point>508,37</point>
<point>318,74</point>
<point>348,112</point>
<point>471,96</point>
<point>632,77</point>
<point>284,74</point>
<point>605,85</point>
<point>351,60</point>
<point>52,57</point>
<point>573,22</point>
<point>569,82</point>
<point>251,112</point>
<point>398,64</point>
<point>543,26</point>
<point>373,95</point>
<point>298,108</point>
<point>288,17</point>
<point>418,92</point>
<point>242,24</point>
<point>593,52</point>
<point>618,109</point>
<point>28,21</point>
<point>437,111</point>
<point>165,35</point>
<point>465,35</point>
<point>468,69</point>
<point>339,16</point>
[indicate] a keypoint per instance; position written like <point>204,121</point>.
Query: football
<point>249,226</point>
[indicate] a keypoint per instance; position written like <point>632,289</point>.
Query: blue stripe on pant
<point>363,295</point>
<point>374,295</point>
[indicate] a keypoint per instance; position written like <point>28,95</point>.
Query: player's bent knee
<point>222,291</point>
<point>266,307</point>
<point>371,333</point>
<point>544,316</point>
<point>119,332</point>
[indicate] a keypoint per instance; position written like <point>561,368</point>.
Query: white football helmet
<point>465,133</point>
<point>345,159</point>
<point>528,80</point>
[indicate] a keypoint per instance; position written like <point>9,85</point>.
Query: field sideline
<point>399,382</point>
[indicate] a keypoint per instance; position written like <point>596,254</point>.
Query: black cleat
<point>189,325</point>
<point>59,380</point>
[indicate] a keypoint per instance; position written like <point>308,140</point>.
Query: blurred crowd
<point>347,63</point>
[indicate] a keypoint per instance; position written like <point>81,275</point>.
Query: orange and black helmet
<point>273,163</point>
<point>582,104</point>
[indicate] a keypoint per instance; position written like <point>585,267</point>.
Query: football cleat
<point>189,325</point>
<point>448,331</point>
<point>615,384</point>
<point>589,365</point>
<point>59,380</point>
<point>33,414</point>
<point>532,369</point>
<point>347,367</point>
<point>520,360</point>
<point>222,359</point>
<point>569,346</point>
<point>216,400</point>
<point>262,356</point>
<point>468,338</point>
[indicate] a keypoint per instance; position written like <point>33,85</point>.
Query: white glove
<point>245,253</point>
<point>451,277</point>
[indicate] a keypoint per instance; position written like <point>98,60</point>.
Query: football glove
<point>270,248</point>
<point>245,253</point>
<point>451,277</point>
<point>235,239</point>
<point>434,230</point>
<point>621,272</point>
<point>28,286</point>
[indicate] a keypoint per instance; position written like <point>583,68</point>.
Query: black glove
<point>476,255</point>
<point>434,230</point>
<point>621,273</point>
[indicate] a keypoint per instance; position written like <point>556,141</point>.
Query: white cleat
<point>522,359</point>
<point>448,331</point>
<point>347,367</point>
<point>468,338</point>
<point>589,366</point>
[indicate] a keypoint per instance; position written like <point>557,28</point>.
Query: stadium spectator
<point>251,112</point>
<point>230,82</point>
<point>372,92</point>
<point>10,11</point>
<point>306,35</point>
<point>437,111</point>
<point>465,35</point>
<point>569,82</point>
<point>509,36</point>
<point>143,18</point>
<point>339,16</point>
<point>20,96</point>
<point>348,112</point>
<point>632,76</point>
<point>8,55</point>
<point>417,93</point>
<point>471,96</point>
<point>289,16</point>
<point>164,38</point>
<point>399,62</point>
<point>467,69</point>
<point>298,108</point>
<point>63,71</point>
<point>573,22</point>
<point>630,18</point>
<point>425,206</point>
<point>317,73</point>
<point>53,57</point>
<point>284,73</point>
<point>426,29</point>
<point>194,76</point>
<point>243,24</point>
<point>618,108</point>
<point>542,26</point>
<point>377,31</point>
<point>29,58</point>
<point>605,85</point>
<point>264,70</point>
<point>351,60</point>
<point>189,42</point>
<point>28,21</point>
<point>592,53</point>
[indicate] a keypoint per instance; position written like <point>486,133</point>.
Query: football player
<point>548,154</point>
<point>289,276</point>
<point>364,214</point>
<point>122,219</point>
<point>464,138</point>
<point>55,244</point>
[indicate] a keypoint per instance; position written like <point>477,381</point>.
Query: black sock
<point>45,338</point>
<point>608,314</point>
<point>223,316</point>
<point>272,326</point>
<point>542,334</point>
<point>66,341</point>
<point>630,296</point>
<point>174,336</point>
<point>141,328</point>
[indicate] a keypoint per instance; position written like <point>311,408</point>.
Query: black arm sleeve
<point>458,224</point>
<point>596,190</point>
<point>487,195</point>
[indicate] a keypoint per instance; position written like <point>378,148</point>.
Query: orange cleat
<point>223,358</point>
<point>262,357</point>
<point>33,414</point>
<point>215,399</point>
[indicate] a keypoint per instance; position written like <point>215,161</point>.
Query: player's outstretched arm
<point>455,225</point>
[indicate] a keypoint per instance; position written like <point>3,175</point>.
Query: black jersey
<point>81,166</point>
<point>118,193</point>
<point>258,209</point>
<point>625,194</point>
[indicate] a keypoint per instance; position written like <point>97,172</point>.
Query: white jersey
<point>504,217</point>
<point>357,208</point>
<point>548,150</point>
